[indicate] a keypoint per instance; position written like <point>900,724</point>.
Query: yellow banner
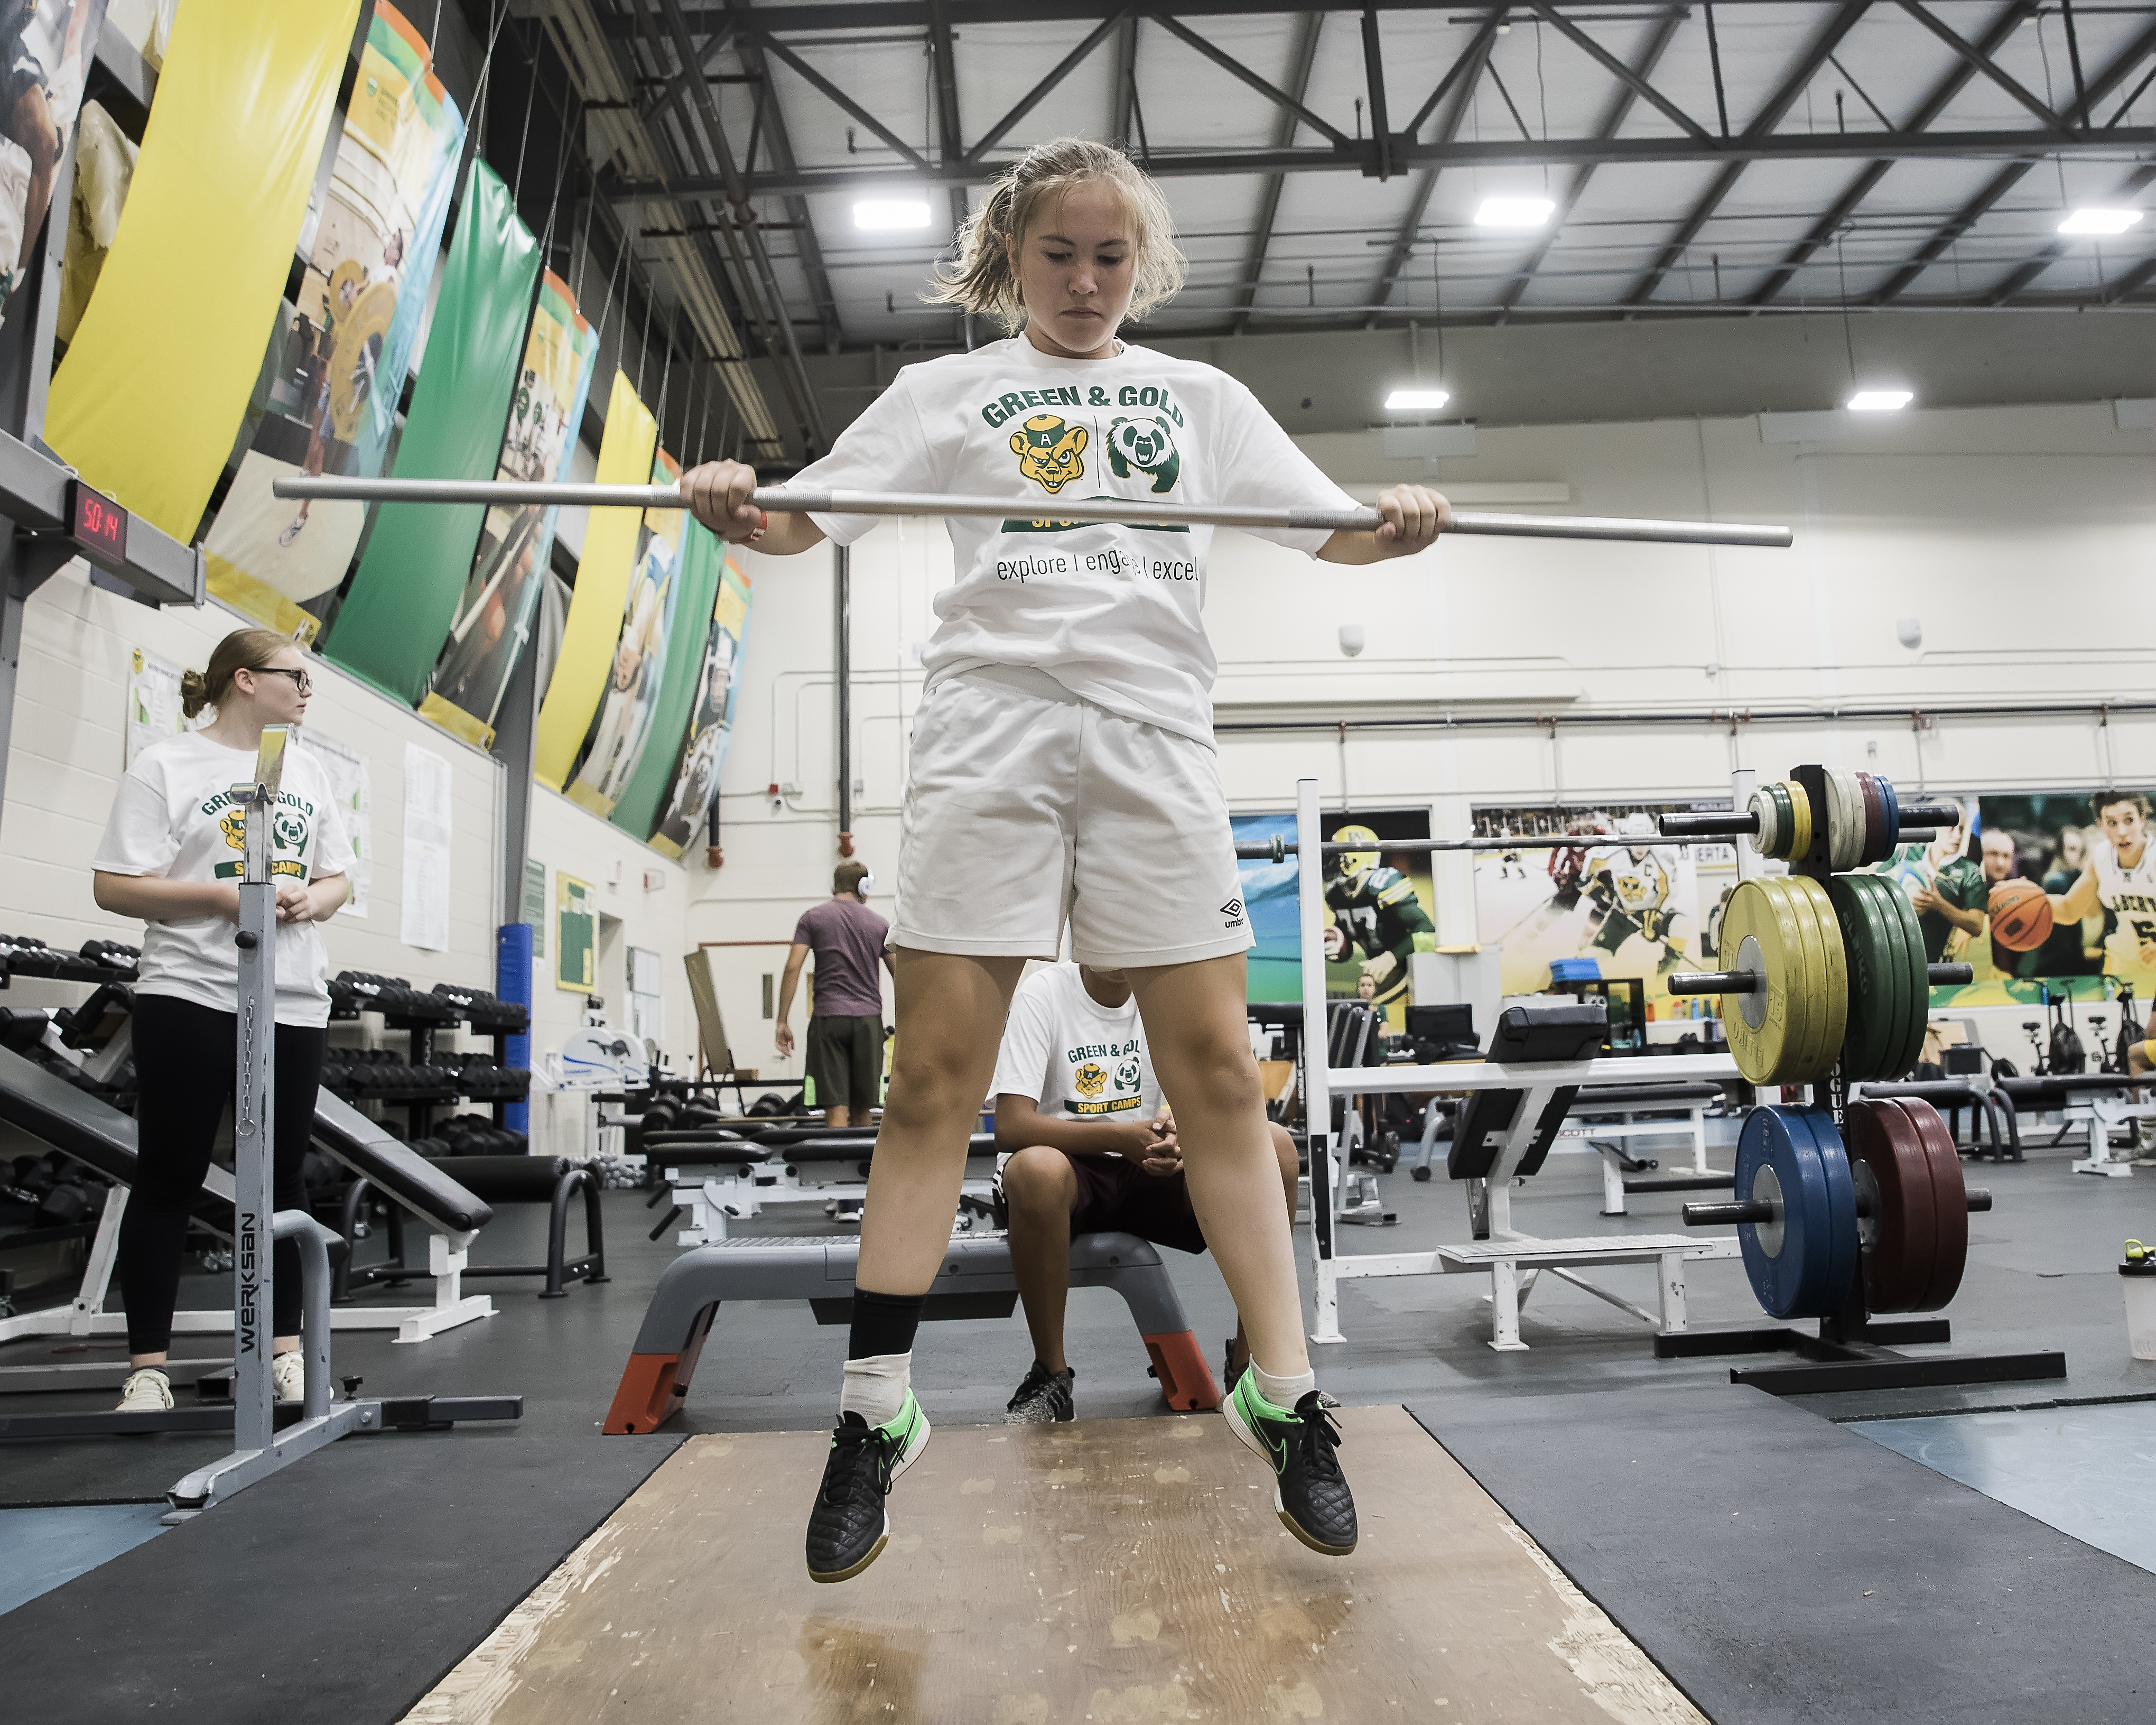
<point>198,267</point>
<point>594,629</point>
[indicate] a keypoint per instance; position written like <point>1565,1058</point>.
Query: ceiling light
<point>1879,401</point>
<point>883,214</point>
<point>2092,220</point>
<point>1513,212</point>
<point>1417,400</point>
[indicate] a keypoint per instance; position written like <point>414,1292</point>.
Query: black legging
<point>184,1056</point>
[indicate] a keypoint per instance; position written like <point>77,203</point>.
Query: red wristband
<point>762,526</point>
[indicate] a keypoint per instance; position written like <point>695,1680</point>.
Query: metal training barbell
<point>1130,511</point>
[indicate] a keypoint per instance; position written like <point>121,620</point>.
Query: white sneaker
<point>147,1390</point>
<point>288,1377</point>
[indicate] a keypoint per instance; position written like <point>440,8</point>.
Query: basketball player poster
<point>2046,892</point>
<point>336,362</point>
<point>711,721</point>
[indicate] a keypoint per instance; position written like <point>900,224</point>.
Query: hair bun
<point>194,693</point>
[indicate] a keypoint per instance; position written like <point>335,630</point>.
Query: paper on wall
<point>351,783</point>
<point>153,703</point>
<point>427,827</point>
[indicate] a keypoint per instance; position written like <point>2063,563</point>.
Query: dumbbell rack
<point>1851,1350</point>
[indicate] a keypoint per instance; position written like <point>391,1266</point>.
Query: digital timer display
<point>99,523</point>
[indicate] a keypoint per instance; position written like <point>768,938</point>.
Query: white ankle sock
<point>875,1387</point>
<point>1283,1392</point>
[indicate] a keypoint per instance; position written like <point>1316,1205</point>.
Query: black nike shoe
<point>1044,1398</point>
<point>1309,1491</point>
<point>848,1527</point>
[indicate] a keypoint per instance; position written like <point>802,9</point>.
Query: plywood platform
<point>1129,1570</point>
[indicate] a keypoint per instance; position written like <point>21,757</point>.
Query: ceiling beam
<point>1941,97</point>
<point>2122,142</point>
<point>1614,67</point>
<point>848,105</point>
<point>1814,56</point>
<point>943,61</point>
<point>1032,99</point>
<point>1301,58</point>
<point>1125,85</point>
<point>1227,63</point>
<point>1464,74</point>
<point>2102,86</point>
<point>1619,110</point>
<point>1983,62</point>
<point>853,16</point>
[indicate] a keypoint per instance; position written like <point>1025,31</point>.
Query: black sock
<point>883,1323</point>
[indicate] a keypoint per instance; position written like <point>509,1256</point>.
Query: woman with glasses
<point>171,855</point>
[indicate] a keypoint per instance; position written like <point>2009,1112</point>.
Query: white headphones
<point>863,884</point>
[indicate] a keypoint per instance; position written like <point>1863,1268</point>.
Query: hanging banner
<point>626,448</point>
<point>704,753</point>
<point>46,51</point>
<point>397,611</point>
<point>637,810</point>
<point>639,659</point>
<point>336,365</point>
<point>495,618</point>
<point>192,284</point>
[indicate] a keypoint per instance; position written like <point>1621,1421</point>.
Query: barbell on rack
<point>1879,1207</point>
<point>1135,511</point>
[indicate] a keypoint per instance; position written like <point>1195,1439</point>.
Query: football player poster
<point>1379,908</point>
<point>1622,897</point>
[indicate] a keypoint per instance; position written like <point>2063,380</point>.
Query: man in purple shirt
<point>845,1024</point>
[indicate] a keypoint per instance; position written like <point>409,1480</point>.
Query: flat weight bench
<point>552,1180</point>
<point>975,1281</point>
<point>718,1174</point>
<point>1632,1101</point>
<point>1989,1104</point>
<point>2103,1100</point>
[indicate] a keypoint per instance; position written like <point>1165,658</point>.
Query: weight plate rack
<point>1844,1210</point>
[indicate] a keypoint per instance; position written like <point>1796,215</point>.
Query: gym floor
<point>1777,1559</point>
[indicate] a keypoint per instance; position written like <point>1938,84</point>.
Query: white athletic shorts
<point>1027,807</point>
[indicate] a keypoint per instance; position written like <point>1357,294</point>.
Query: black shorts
<point>845,1061</point>
<point>1117,1196</point>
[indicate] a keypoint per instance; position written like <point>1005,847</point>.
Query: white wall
<point>67,753</point>
<point>2023,538</point>
<point>569,839</point>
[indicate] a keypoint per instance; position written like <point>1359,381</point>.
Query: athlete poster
<point>496,616</point>
<point>337,363</point>
<point>1380,909</point>
<point>44,60</point>
<point>1621,896</point>
<point>711,720</point>
<point>623,725</point>
<point>2088,853</point>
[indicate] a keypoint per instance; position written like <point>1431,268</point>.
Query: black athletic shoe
<point>1044,1398</point>
<point>848,1528</point>
<point>1309,1491</point>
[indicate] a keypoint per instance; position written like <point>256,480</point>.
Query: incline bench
<point>46,1107</point>
<point>975,1281</point>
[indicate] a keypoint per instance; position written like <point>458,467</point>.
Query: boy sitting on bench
<point>1085,1147</point>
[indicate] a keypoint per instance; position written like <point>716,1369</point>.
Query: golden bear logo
<point>233,826</point>
<point>1047,450</point>
<point>1146,445</point>
<point>1092,1077</point>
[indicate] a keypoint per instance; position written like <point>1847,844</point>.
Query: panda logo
<point>1146,445</point>
<point>291,831</point>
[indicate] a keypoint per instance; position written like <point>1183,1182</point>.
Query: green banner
<point>637,809</point>
<point>404,596</point>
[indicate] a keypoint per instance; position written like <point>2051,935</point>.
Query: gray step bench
<point>975,1281</point>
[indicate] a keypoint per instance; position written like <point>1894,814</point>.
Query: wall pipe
<point>1716,716</point>
<point>842,604</point>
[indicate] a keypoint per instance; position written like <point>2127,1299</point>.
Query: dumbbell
<point>1813,1212</point>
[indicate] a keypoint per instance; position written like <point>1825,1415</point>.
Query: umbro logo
<point>1233,911</point>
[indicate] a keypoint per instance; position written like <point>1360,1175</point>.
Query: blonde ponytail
<point>243,649</point>
<point>982,280</point>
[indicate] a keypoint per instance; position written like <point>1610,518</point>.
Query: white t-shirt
<point>2130,894</point>
<point>1074,1056</point>
<point>172,818</point>
<point>1112,613</point>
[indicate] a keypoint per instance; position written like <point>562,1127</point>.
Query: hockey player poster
<point>1620,896</point>
<point>1379,909</point>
